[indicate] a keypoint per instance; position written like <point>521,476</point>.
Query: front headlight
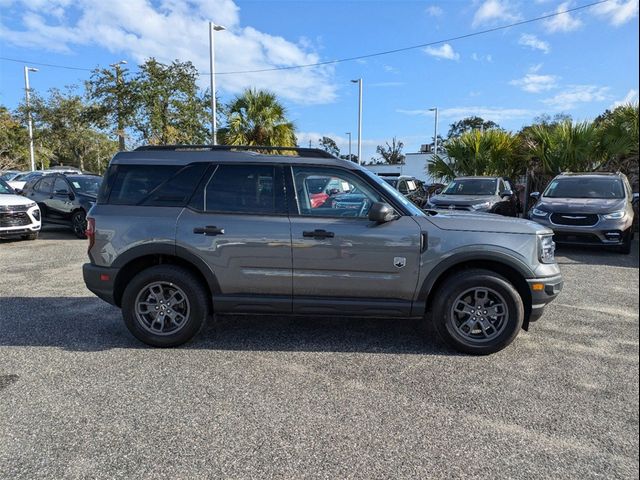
<point>481,206</point>
<point>615,215</point>
<point>546,249</point>
<point>536,212</point>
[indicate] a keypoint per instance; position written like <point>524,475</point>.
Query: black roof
<point>185,154</point>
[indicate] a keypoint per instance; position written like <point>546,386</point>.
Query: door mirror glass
<point>381,212</point>
<point>635,198</point>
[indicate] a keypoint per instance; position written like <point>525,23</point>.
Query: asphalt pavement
<point>271,397</point>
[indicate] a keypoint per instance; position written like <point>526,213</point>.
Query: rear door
<point>344,263</point>
<point>238,224</point>
<point>41,193</point>
<point>60,203</point>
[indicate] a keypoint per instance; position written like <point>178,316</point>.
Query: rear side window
<point>154,185</point>
<point>253,189</point>
<point>44,185</point>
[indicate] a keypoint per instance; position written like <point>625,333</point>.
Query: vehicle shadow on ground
<point>573,254</point>
<point>48,232</point>
<point>90,325</point>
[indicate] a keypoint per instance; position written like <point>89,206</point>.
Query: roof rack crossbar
<point>307,152</point>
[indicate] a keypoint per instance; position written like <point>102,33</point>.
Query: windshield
<point>8,175</point>
<point>87,185</point>
<point>5,188</point>
<point>585,187</point>
<point>471,186</point>
<point>397,196</point>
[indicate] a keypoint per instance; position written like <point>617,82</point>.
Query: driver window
<point>60,186</point>
<point>328,192</point>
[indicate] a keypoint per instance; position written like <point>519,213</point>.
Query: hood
<point>484,222</point>
<point>19,184</point>
<point>462,200</point>
<point>581,205</point>
<point>10,200</point>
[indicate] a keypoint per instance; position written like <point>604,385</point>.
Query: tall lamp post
<point>214,127</point>
<point>116,66</point>
<point>27,89</point>
<point>359,82</point>
<point>435,134</point>
<point>349,133</point>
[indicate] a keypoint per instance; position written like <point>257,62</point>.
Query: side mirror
<point>381,213</point>
<point>535,195</point>
<point>506,193</point>
<point>635,198</point>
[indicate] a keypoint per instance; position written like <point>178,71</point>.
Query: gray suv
<point>478,194</point>
<point>588,209</point>
<point>181,233</point>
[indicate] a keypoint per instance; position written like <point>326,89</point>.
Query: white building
<point>415,165</point>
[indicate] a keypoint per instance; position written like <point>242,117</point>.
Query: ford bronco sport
<point>180,233</point>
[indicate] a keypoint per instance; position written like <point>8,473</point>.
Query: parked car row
<point>19,216</point>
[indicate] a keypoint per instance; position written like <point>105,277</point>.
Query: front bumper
<point>18,222</point>
<point>100,281</point>
<point>543,291</point>
<point>604,232</point>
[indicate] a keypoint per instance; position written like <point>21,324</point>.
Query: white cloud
<point>535,83</point>
<point>533,42</point>
<point>481,58</point>
<point>617,12</point>
<point>493,11</point>
<point>176,29</point>
<point>445,51</point>
<point>575,95</point>
<point>630,97</point>
<point>563,23</point>
<point>434,11</point>
<point>497,114</point>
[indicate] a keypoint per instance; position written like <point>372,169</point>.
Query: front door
<point>238,225</point>
<point>342,262</point>
<point>60,205</point>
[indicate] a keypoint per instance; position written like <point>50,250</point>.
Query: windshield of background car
<point>471,186</point>
<point>585,187</point>
<point>86,185</point>
<point>4,188</point>
<point>397,196</point>
<point>392,181</point>
<point>7,176</point>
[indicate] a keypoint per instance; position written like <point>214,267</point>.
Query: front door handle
<point>209,230</point>
<point>318,234</point>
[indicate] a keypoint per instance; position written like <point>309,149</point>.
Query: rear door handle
<point>209,230</point>
<point>318,234</point>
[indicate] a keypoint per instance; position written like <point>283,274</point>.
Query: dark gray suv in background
<point>478,194</point>
<point>181,233</point>
<point>588,209</point>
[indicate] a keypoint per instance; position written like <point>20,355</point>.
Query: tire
<point>625,247</point>
<point>149,293</point>
<point>30,236</point>
<point>460,329</point>
<point>79,223</point>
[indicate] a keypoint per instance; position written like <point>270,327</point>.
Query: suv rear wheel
<point>164,306</point>
<point>478,312</point>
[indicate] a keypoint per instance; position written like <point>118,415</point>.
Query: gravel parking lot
<point>268,397</point>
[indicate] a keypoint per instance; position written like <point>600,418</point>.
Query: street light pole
<point>212,65</point>
<point>349,133</point>
<point>27,89</point>
<point>116,66</point>
<point>359,82</point>
<point>435,133</point>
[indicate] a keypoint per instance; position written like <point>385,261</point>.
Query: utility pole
<point>349,133</point>
<point>116,66</point>
<point>435,132</point>
<point>27,90</point>
<point>359,82</point>
<point>212,64</point>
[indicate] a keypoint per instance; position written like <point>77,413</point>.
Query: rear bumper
<point>101,281</point>
<point>543,291</point>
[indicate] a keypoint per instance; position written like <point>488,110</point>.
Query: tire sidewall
<point>458,284</point>
<point>83,215</point>
<point>194,292</point>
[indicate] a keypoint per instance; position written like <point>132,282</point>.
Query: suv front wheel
<point>478,312</point>
<point>164,306</point>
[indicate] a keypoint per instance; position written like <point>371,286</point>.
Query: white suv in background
<point>19,216</point>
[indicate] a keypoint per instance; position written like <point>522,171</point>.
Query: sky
<point>579,63</point>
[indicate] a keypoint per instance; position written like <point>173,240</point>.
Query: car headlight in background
<point>481,206</point>
<point>546,249</point>
<point>614,215</point>
<point>536,212</point>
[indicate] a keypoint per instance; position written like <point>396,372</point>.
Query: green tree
<point>469,124</point>
<point>14,141</point>
<point>390,153</point>
<point>329,145</point>
<point>618,138</point>
<point>256,117</point>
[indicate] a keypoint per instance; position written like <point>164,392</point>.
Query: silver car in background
<point>588,209</point>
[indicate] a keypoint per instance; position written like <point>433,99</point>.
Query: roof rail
<point>302,152</point>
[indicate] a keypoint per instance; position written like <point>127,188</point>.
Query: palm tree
<point>257,118</point>
<point>618,138</point>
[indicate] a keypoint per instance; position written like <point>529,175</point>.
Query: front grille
<point>454,207</point>
<point>14,219</point>
<point>576,219</point>
<point>15,208</point>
